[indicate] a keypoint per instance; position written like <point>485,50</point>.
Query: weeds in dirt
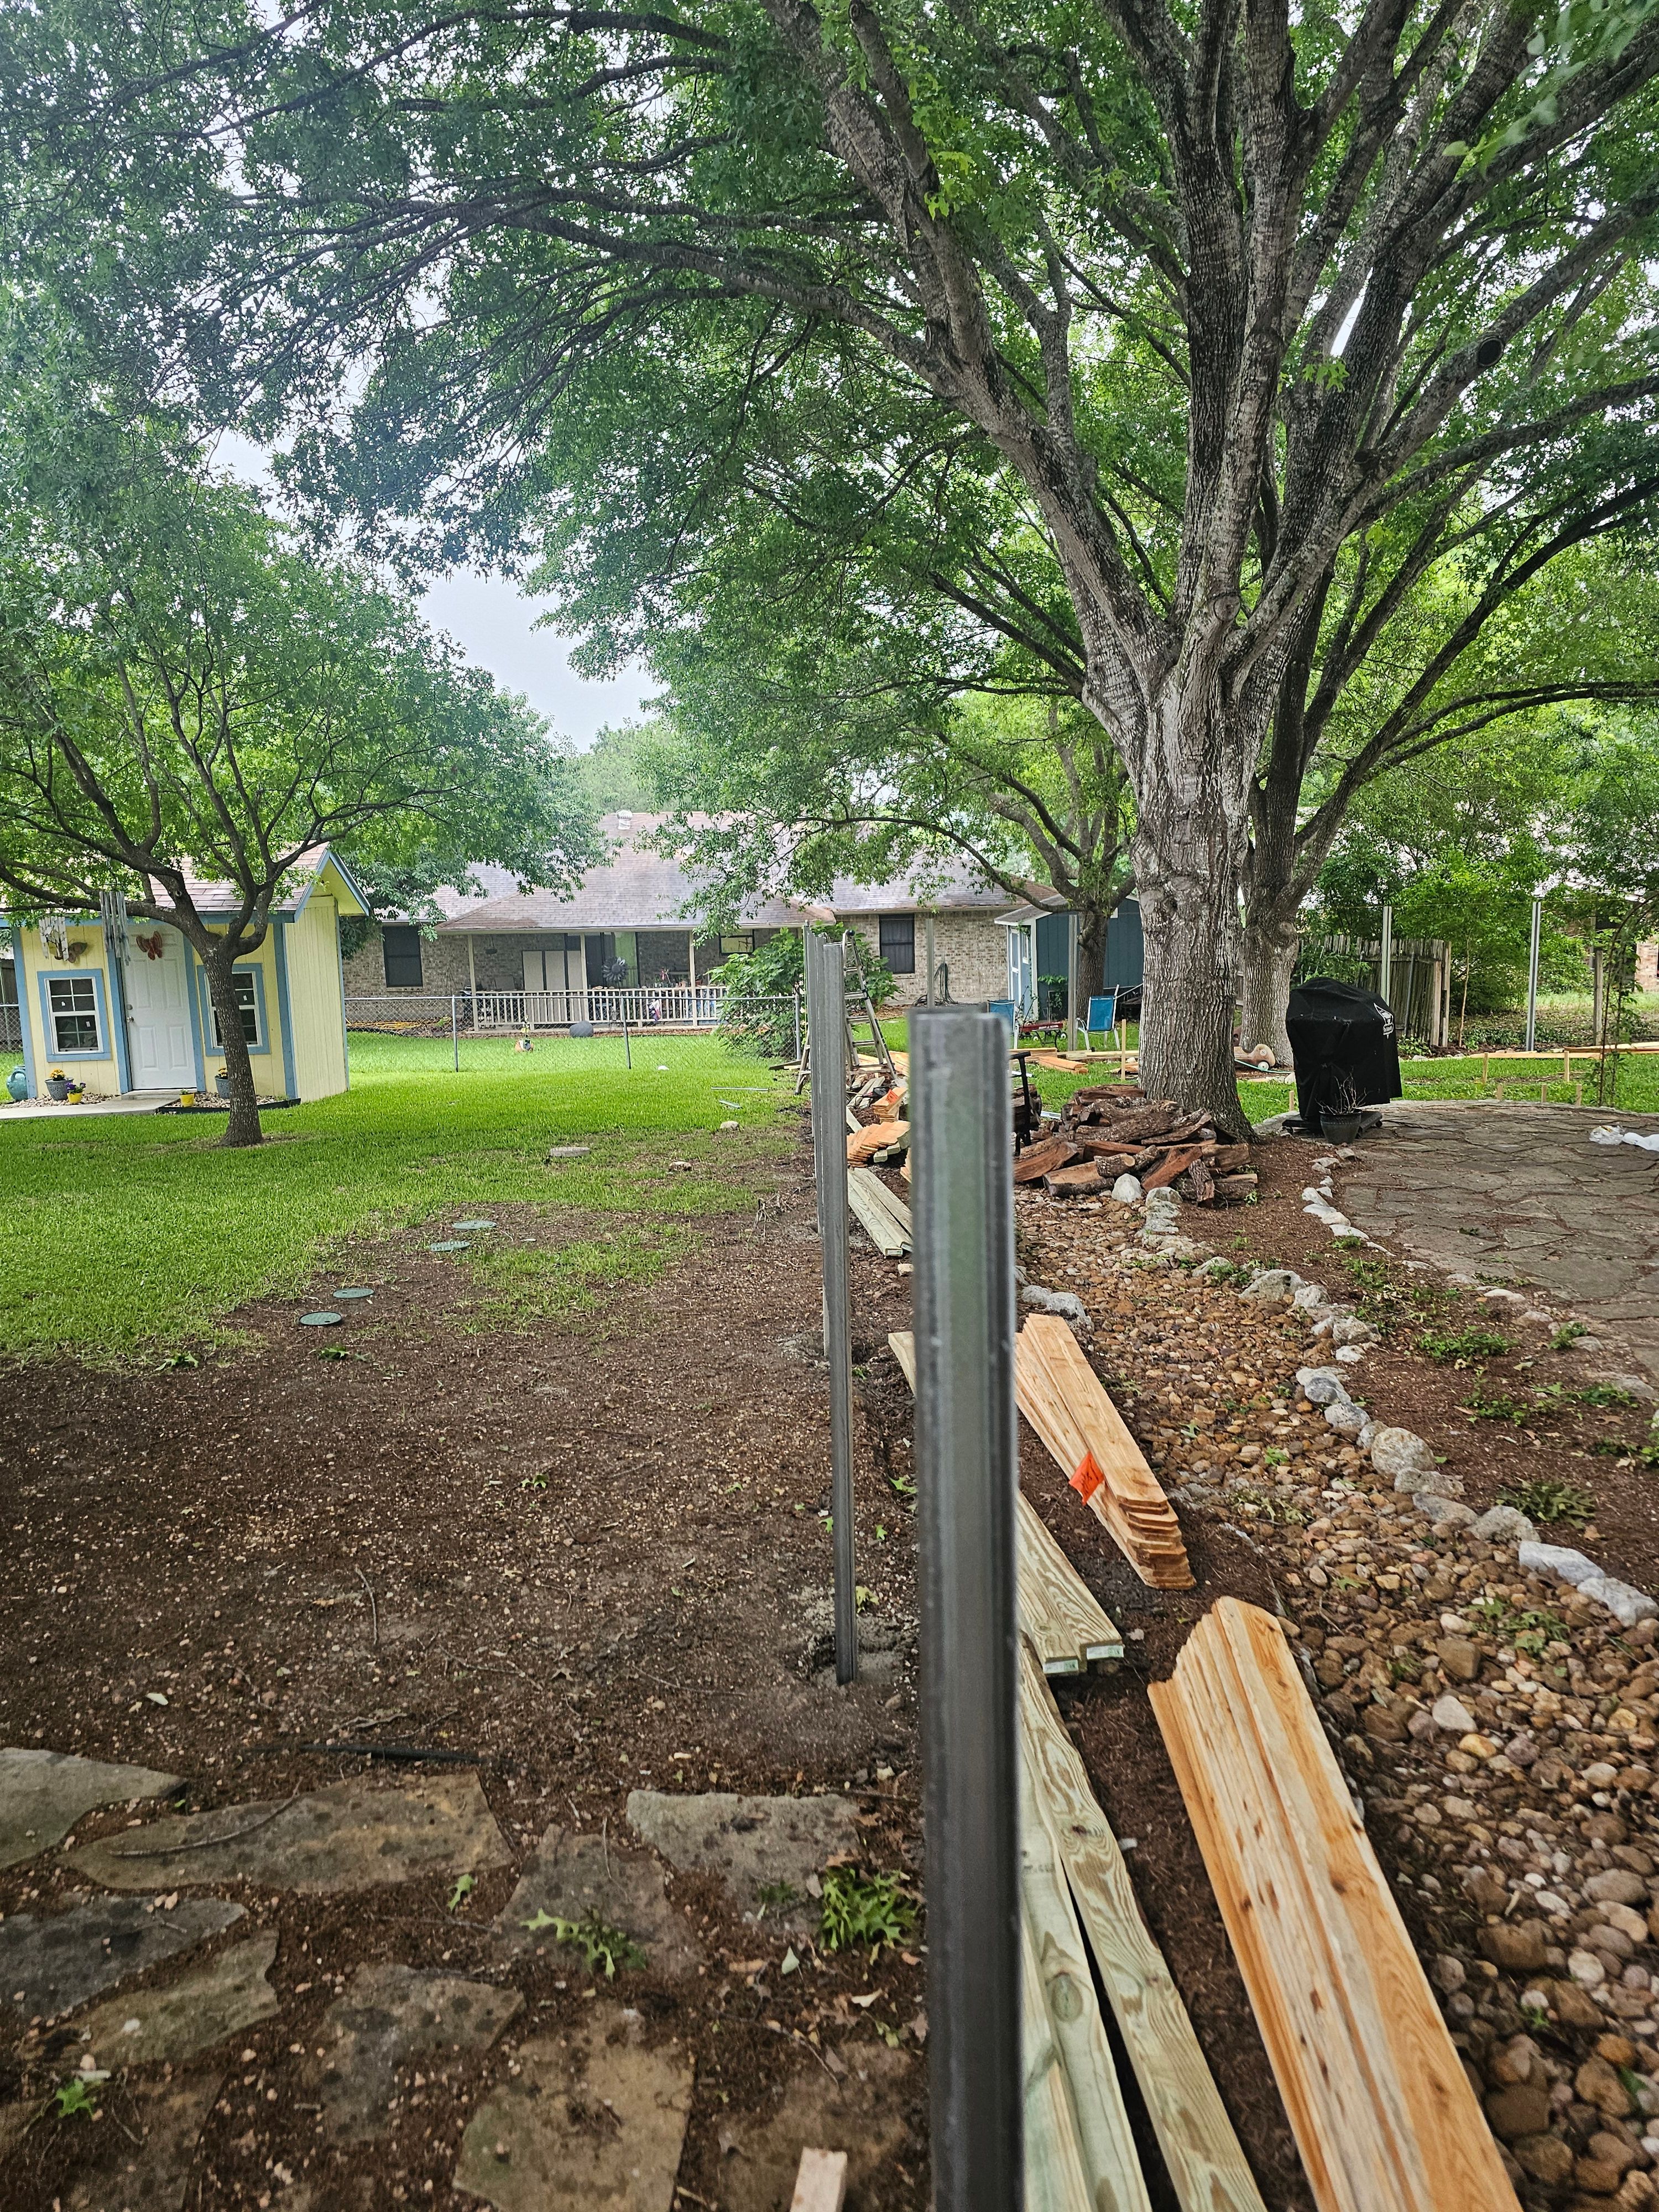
<point>73,2099</point>
<point>1567,1336</point>
<point>465,1885</point>
<point>1604,1394</point>
<point>876,1909</point>
<point>600,1944</point>
<point>1464,1344</point>
<point>777,1896</point>
<point>1499,1405</point>
<point>1531,1630</point>
<point>1265,1505</point>
<point>1547,1501</point>
<point>1385,1303</point>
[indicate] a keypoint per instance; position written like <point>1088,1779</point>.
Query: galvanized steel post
<point>1532,974</point>
<point>826,1030</point>
<point>966,1471</point>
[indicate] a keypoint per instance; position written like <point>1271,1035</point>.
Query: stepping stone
<point>44,1793</point>
<point>573,1876</point>
<point>113,2174</point>
<point>539,2144</point>
<point>752,1843</point>
<point>861,2112</point>
<point>390,2015</point>
<point>223,1999</point>
<point>50,1967</point>
<point>352,1835</point>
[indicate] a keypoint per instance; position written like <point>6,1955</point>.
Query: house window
<point>72,1009</point>
<point>245,991</point>
<point>402,947</point>
<point>898,943</point>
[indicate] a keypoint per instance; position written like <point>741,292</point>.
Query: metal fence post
<point>966,1470</point>
<point>1532,974</point>
<point>798,1024</point>
<point>627,1049</point>
<point>826,1017</point>
<point>455,1032</point>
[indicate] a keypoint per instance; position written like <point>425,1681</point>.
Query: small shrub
<point>1465,1344</point>
<point>1604,1394</point>
<point>1567,1336</point>
<point>875,1909</point>
<point>1546,1501</point>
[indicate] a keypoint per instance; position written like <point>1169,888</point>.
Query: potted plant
<point>77,1091</point>
<point>1339,1111</point>
<point>222,1082</point>
<point>57,1085</point>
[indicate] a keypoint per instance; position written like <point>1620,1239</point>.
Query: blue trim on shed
<point>339,970</point>
<point>24,1023</point>
<point>197,1039</point>
<point>289,1091</point>
<point>100,996</point>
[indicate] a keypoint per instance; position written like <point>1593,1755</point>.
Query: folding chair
<point>1103,1015</point>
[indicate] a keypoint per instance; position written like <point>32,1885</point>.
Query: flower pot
<point>1341,1128</point>
<point>221,1084</point>
<point>58,1087</point>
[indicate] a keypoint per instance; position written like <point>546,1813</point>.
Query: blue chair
<point>1103,1015</point>
<point>1005,1008</point>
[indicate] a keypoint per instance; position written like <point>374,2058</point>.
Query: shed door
<point>158,1006</point>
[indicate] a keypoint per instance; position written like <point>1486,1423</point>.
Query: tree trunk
<point>1271,945</point>
<point>244,1126</point>
<point>1190,853</point>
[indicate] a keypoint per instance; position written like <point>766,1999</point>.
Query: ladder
<point>859,1012</point>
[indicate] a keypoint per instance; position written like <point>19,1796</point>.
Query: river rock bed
<point>1500,1728</point>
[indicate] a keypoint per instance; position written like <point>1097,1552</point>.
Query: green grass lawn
<point>135,1232</point>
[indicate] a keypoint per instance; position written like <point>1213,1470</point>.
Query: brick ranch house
<point>545,958</point>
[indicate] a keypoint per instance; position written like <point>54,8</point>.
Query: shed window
<point>72,1003</point>
<point>246,995</point>
<point>402,959</point>
<point>898,943</point>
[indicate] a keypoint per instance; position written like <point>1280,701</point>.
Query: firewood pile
<point>1110,1129</point>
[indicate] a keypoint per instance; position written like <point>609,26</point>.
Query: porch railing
<point>668,1005</point>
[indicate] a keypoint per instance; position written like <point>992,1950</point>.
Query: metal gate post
<point>966,1471</point>
<point>826,1017</point>
<point>455,1033</point>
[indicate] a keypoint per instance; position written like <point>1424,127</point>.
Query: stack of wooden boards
<point>1063,1399</point>
<point>1081,1928</point>
<point>1109,1129</point>
<point>1376,2093</point>
<point>885,1220</point>
<point>1058,1612</point>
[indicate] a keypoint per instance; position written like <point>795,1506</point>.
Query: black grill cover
<point>1337,1029</point>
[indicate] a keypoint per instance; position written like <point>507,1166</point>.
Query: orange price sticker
<point>1086,1477</point>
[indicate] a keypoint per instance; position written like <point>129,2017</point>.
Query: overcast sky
<point>494,624</point>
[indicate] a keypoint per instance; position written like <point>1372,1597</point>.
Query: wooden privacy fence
<point>1419,983</point>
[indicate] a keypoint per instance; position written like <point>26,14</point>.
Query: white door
<point>158,1006</point>
<point>1020,965</point>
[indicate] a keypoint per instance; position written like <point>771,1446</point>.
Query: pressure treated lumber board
<point>1064,1401</point>
<point>821,2182</point>
<point>1377,2097</point>
<point>886,1218</point>
<point>1207,2167</point>
<point>1099,2137</point>
<point>1056,2178</point>
<point>1059,1614</point>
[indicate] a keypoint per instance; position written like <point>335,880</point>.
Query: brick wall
<point>976,949</point>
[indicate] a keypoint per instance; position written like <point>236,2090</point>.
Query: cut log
<point>864,1144</point>
<point>1228,1158</point>
<point>1200,1183</point>
<point>1172,1164</point>
<point>1234,1186</point>
<point>1059,1614</point>
<point>1201,2151</point>
<point>1036,1160</point>
<point>1070,1182</point>
<point>1373,2087</point>
<point>820,2182</point>
<point>1062,1398</point>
